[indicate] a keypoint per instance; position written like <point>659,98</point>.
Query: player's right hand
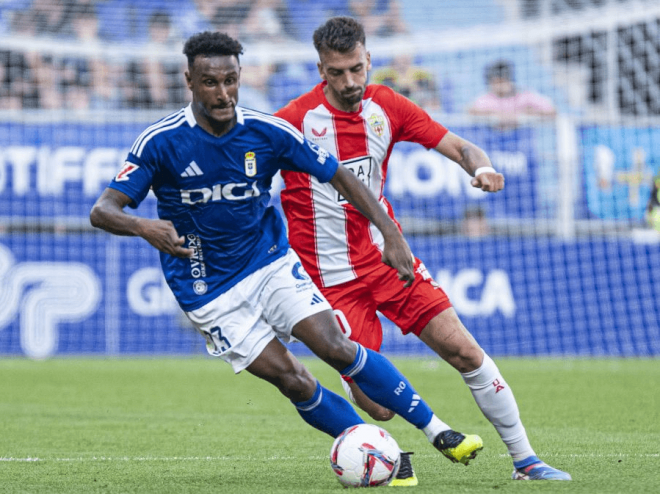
<point>162,235</point>
<point>397,255</point>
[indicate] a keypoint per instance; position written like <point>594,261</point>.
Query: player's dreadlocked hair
<point>208,44</point>
<point>339,34</point>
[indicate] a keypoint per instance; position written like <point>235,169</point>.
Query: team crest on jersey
<point>126,170</point>
<point>377,124</point>
<point>250,164</point>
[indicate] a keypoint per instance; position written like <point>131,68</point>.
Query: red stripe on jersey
<point>298,202</point>
<point>352,142</point>
<point>351,135</point>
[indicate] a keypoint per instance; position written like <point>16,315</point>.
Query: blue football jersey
<point>215,190</point>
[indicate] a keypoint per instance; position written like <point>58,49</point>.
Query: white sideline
<point>279,458</point>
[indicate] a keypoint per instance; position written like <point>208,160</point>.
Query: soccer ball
<point>365,455</point>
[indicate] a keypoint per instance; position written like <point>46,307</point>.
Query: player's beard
<point>352,97</point>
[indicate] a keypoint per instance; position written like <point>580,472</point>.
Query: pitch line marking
<point>271,458</point>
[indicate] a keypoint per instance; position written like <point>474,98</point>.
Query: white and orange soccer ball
<point>365,455</point>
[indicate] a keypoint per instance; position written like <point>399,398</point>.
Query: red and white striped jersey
<point>335,242</point>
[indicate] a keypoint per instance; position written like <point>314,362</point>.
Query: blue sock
<point>526,462</point>
<point>328,412</point>
<point>384,384</point>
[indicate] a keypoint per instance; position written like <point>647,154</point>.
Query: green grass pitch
<point>189,425</point>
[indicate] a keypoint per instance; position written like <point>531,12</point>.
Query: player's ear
<point>368,61</point>
<point>319,65</point>
<point>188,79</point>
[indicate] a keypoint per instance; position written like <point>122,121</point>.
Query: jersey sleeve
<point>300,155</point>
<point>410,122</point>
<point>291,114</point>
<point>136,176</point>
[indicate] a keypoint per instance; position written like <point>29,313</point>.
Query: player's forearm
<point>468,155</point>
<point>117,224</point>
<point>109,216</point>
<point>473,157</point>
<point>362,199</point>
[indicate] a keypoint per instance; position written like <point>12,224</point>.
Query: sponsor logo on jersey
<point>200,287</point>
<point>319,134</point>
<point>197,264</point>
<point>299,273</point>
<point>250,164</point>
<point>322,153</point>
<point>316,299</point>
<point>192,170</point>
<point>126,170</point>
<point>230,192</point>
<point>377,124</point>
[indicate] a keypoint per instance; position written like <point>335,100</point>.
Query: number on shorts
<point>216,334</point>
<point>343,322</point>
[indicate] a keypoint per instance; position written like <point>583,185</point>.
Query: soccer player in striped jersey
<point>341,250</point>
<point>224,251</point>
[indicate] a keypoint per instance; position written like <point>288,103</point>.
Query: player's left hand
<point>488,182</point>
<point>397,255</point>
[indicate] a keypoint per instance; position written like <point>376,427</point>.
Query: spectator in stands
<point>412,81</point>
<point>52,17</point>
<point>16,91</point>
<point>254,87</point>
<point>90,81</point>
<point>22,25</point>
<point>230,15</point>
<point>475,223</point>
<point>267,20</point>
<point>46,72</point>
<point>653,206</point>
<point>306,15</point>
<point>505,102</point>
<point>380,17</point>
<point>154,83</point>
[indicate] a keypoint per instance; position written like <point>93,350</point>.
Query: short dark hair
<point>502,69</point>
<point>340,34</point>
<point>160,18</point>
<point>208,44</point>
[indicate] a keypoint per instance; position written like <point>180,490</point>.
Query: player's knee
<point>339,354</point>
<point>464,358</point>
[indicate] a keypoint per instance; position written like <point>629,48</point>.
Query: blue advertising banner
<point>105,295</point>
<point>55,171</point>
<point>619,165</point>
<point>424,183</point>
<point>59,170</point>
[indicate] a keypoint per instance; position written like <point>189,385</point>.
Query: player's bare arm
<point>396,253</point>
<point>108,214</point>
<point>471,157</point>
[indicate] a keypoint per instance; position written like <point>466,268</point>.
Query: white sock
<point>435,427</point>
<point>497,403</point>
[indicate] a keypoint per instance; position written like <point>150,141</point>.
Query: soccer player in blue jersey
<point>225,254</point>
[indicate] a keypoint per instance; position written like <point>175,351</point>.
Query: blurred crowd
<point>30,79</point>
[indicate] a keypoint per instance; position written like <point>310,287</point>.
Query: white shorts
<point>267,304</point>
